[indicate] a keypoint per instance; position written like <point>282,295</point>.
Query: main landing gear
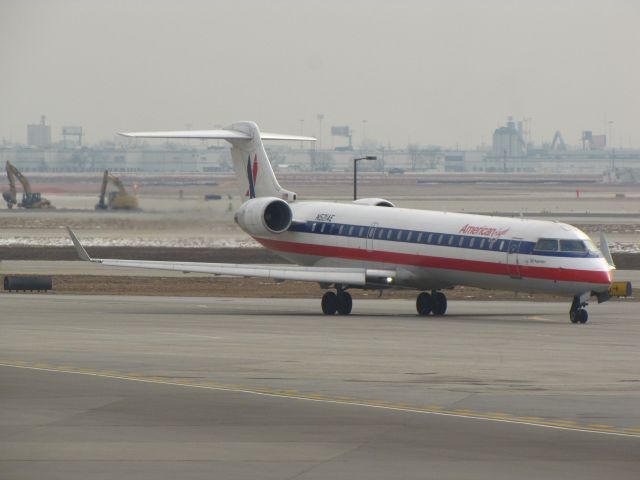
<point>577,312</point>
<point>340,302</point>
<point>434,302</point>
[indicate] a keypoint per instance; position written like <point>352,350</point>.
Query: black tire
<point>329,303</point>
<point>423,304</point>
<point>345,303</point>
<point>582,315</point>
<point>439,303</point>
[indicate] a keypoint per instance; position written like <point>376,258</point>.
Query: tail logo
<point>252,174</point>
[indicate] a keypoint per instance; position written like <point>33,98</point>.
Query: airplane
<point>371,244</point>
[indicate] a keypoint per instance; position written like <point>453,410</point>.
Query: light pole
<point>320,118</point>
<point>364,132</point>
<point>355,173</point>
<point>610,139</point>
<point>301,131</point>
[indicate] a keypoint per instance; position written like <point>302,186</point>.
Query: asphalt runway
<point>148,387</point>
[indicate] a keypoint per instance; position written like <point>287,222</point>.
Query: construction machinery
<point>115,200</point>
<point>29,199</point>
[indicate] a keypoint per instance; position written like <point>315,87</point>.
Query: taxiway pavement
<point>148,387</point>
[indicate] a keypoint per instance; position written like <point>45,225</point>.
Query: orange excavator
<point>29,199</point>
<point>117,200</point>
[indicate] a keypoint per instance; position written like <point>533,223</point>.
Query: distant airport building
<point>508,141</point>
<point>39,135</point>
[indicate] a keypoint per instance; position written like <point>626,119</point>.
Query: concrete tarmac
<point>148,387</point>
<point>71,267</point>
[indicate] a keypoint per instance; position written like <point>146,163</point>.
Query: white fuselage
<point>433,250</point>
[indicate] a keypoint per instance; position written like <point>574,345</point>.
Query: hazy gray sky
<point>432,72</point>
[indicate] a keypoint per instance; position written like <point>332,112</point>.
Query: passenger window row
<point>409,236</point>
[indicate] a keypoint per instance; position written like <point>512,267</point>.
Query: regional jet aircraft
<point>371,244</point>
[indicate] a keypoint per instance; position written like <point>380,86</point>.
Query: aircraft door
<point>371,234</point>
<point>513,262</point>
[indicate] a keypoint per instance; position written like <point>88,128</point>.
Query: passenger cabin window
<point>360,234</point>
<point>440,239</point>
<point>430,238</point>
<point>482,242</point>
<point>471,242</point>
<point>576,246</point>
<point>419,237</point>
<point>380,232</point>
<point>546,245</point>
<point>399,237</point>
<point>409,236</point>
<point>322,227</point>
<point>313,228</point>
<point>389,234</point>
<point>461,241</point>
<point>351,230</point>
<point>341,230</point>
<point>451,239</point>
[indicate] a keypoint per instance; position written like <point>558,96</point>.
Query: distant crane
<point>29,199</point>
<point>558,142</point>
<point>117,200</point>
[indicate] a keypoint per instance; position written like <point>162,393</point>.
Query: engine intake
<point>264,215</point>
<point>374,202</point>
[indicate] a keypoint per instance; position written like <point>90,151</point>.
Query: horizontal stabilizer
<point>215,135</point>
<point>201,134</point>
<point>280,136</point>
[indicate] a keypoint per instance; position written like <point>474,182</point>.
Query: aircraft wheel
<point>423,303</point>
<point>577,312</point>
<point>345,303</point>
<point>439,303</point>
<point>329,303</point>
<point>582,316</point>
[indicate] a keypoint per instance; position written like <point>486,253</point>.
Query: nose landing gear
<point>577,312</point>
<point>435,302</point>
<point>340,302</point>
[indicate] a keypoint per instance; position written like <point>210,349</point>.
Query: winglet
<point>604,248</point>
<point>82,253</point>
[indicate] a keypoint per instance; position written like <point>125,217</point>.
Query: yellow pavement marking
<point>498,415</point>
<point>501,417</point>
<point>533,419</point>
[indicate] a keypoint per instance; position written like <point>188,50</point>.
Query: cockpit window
<point>591,246</point>
<point>546,245</point>
<point>572,246</point>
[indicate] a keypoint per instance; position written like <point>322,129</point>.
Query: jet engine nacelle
<point>264,215</point>
<point>374,202</point>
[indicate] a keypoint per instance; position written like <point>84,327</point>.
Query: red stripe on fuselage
<point>424,261</point>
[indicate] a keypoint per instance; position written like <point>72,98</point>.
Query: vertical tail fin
<point>252,166</point>
<point>250,162</point>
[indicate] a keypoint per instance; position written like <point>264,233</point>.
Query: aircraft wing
<point>345,276</point>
